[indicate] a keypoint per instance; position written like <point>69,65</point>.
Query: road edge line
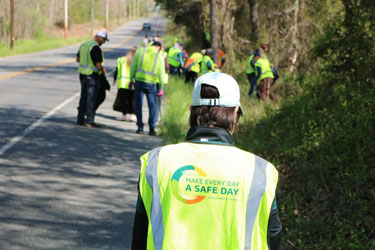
<point>36,124</point>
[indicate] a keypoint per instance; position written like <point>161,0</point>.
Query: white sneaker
<point>133,118</point>
<point>124,118</point>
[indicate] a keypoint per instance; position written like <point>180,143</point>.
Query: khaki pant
<point>265,89</point>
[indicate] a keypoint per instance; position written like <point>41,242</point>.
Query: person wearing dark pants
<point>89,92</point>
<point>90,59</point>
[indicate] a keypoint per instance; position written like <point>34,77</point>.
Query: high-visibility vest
<point>148,65</point>
<point>220,56</point>
<point>86,65</point>
<point>196,197</point>
<point>250,69</point>
<point>123,73</point>
<point>204,68</point>
<point>163,55</point>
<point>192,64</point>
<point>266,69</point>
<point>173,57</point>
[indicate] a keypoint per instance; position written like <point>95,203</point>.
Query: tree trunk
<point>228,40</point>
<point>107,14</point>
<point>134,8</point>
<point>214,29</point>
<point>254,20</point>
<point>124,11</point>
<point>294,49</point>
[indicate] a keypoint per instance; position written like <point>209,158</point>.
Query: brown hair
<point>264,46</point>
<point>130,55</point>
<point>213,116</point>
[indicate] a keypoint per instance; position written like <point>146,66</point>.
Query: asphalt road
<point>64,186</point>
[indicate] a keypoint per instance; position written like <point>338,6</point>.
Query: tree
<point>254,20</point>
<point>214,28</point>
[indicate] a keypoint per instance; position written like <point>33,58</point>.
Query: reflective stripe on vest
<point>208,189</point>
<point>250,69</point>
<point>155,212</point>
<point>145,72</point>
<point>163,55</point>
<point>86,65</point>
<point>123,73</point>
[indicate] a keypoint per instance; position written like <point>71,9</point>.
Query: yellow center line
<point>10,75</point>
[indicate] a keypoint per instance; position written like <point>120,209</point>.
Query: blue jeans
<point>253,83</point>
<point>141,88</point>
<point>89,91</point>
<point>173,70</point>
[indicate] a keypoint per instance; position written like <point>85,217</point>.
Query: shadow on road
<point>66,186</point>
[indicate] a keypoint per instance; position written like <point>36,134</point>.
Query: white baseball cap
<point>103,34</point>
<point>229,92</point>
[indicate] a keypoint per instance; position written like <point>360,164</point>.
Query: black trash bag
<point>275,73</point>
<point>104,85</point>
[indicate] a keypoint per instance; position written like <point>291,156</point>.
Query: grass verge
<point>174,122</point>
<point>29,46</point>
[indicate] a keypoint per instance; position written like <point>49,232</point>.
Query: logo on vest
<point>191,185</point>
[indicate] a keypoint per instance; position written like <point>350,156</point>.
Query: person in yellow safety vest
<point>90,58</point>
<point>192,66</point>
<point>207,64</point>
<point>264,76</point>
<point>160,94</point>
<point>175,59</point>
<point>250,73</point>
<point>124,101</point>
<point>146,69</point>
<point>265,50</point>
<point>206,193</point>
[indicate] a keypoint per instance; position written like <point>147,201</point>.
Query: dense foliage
<point>323,141</point>
<point>36,19</point>
<point>321,138</point>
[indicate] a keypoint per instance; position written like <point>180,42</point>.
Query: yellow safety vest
<point>192,63</point>
<point>196,197</point>
<point>163,55</point>
<point>266,69</point>
<point>250,69</point>
<point>148,65</point>
<point>86,65</point>
<point>173,57</point>
<point>204,68</point>
<point>123,73</point>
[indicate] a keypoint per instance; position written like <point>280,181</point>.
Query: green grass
<point>174,122</point>
<point>30,46</point>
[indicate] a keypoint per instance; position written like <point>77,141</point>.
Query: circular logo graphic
<point>175,184</point>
